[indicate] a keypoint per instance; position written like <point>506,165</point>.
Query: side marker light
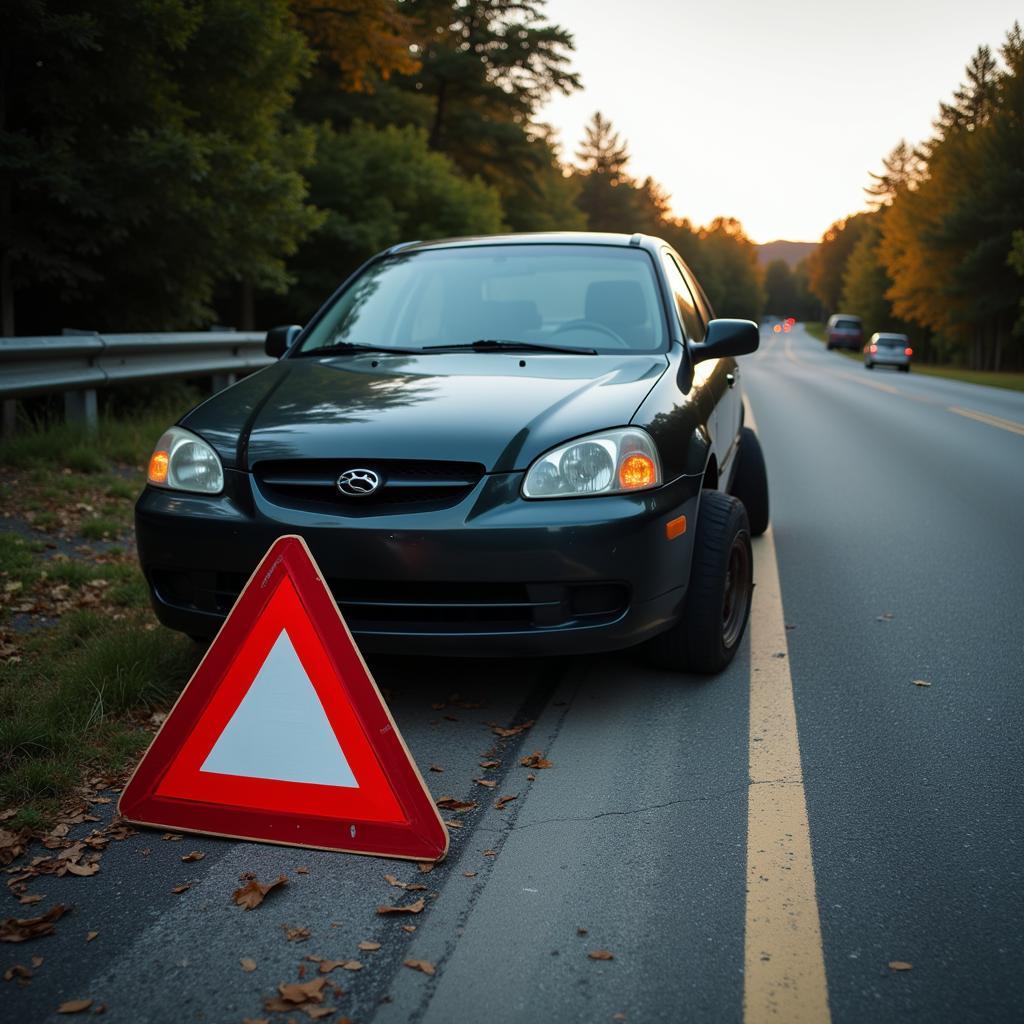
<point>675,527</point>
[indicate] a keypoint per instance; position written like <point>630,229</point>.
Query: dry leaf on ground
<point>536,760</point>
<point>469,874</point>
<point>19,971</point>
<point>303,992</point>
<point>426,866</point>
<point>302,871</point>
<point>490,853</point>
<point>411,908</point>
<point>449,823</point>
<point>436,768</point>
<point>600,954</point>
<point>172,837</point>
<point>513,730</point>
<point>14,929</point>
<point>295,934</point>
<point>410,928</point>
<point>421,965</point>
<point>500,803</point>
<point>451,803</point>
<point>490,763</point>
<point>178,889</point>
<point>489,783</point>
<point>89,936</point>
<point>248,964</point>
<point>921,682</point>
<point>74,1006</point>
<point>581,931</point>
<point>194,855</point>
<point>251,895</point>
<point>368,947</point>
<point>899,965</point>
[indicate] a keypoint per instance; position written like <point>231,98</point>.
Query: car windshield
<point>575,297</point>
<point>847,325</point>
<point>892,342</point>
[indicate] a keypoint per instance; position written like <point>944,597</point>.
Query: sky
<point>771,112</point>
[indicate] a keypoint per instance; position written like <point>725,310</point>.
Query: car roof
<point>890,335</point>
<point>536,238</point>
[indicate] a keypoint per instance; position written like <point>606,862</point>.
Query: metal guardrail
<point>78,364</point>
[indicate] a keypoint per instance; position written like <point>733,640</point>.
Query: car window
<point>688,315</point>
<point>585,296</point>
<point>847,325</point>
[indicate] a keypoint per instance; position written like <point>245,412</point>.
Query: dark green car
<point>523,444</point>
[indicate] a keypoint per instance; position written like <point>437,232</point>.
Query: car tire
<point>828,346</point>
<point>904,369</point>
<point>717,607</point>
<point>750,482</point>
<point>870,366</point>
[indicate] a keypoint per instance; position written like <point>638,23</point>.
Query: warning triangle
<point>282,736</point>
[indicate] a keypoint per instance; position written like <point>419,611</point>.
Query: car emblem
<point>358,483</point>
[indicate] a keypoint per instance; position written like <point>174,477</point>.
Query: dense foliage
<point>940,256</point>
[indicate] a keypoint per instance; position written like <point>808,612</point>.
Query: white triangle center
<point>280,730</point>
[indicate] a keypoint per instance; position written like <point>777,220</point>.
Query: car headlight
<point>183,462</point>
<point>611,462</point>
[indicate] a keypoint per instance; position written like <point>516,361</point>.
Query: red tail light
<point>873,348</point>
<point>908,351</point>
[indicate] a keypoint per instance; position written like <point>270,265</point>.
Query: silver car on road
<point>888,350</point>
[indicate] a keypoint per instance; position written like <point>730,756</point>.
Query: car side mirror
<point>726,338</point>
<point>280,339</point>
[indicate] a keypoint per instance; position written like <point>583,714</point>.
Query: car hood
<point>497,409</point>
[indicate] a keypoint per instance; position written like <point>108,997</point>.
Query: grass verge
<point>83,663</point>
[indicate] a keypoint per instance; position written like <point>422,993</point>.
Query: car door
<point>715,377</point>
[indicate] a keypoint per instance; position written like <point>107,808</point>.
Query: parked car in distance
<point>888,350</point>
<point>844,331</point>
<point>519,444</point>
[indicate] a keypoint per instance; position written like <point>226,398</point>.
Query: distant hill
<point>791,252</point>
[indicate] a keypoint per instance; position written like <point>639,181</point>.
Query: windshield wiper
<point>351,346</point>
<point>497,345</point>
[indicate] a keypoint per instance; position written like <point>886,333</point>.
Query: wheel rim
<point>737,592</point>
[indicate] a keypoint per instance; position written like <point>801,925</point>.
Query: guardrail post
<point>80,407</point>
<point>223,380</point>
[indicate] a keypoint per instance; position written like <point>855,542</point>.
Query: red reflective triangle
<point>282,736</point>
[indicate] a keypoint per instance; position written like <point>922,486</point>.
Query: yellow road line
<point>992,421</point>
<point>784,963</point>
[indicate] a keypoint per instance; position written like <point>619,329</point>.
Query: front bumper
<point>493,575</point>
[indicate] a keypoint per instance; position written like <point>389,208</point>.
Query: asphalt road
<point>900,555</point>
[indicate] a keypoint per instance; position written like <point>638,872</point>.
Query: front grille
<point>407,485</point>
<point>413,606</point>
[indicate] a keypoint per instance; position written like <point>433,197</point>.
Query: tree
<point>780,287</point>
<point>602,152</point>
<point>904,169</point>
<point>144,163</point>
<point>866,283</point>
<point>828,262</point>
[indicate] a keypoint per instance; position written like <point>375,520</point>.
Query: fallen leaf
<point>74,1006</point>
<point>391,880</point>
<point>89,936</point>
<point>14,929</point>
<point>18,971</point>
<point>531,777</point>
<point>302,871</point>
<point>426,866</point>
<point>600,954</point>
<point>581,931</point>
<point>536,760</point>
<point>885,617</point>
<point>37,961</point>
<point>352,965</point>
<point>326,966</point>
<point>82,870</point>
<point>409,928</point>
<point>490,853</point>
<point>921,682</point>
<point>193,856</point>
<point>490,763</point>
<point>421,965</point>
<point>30,899</point>
<point>295,934</point>
<point>451,803</point>
<point>436,768</point>
<point>513,730</point>
<point>411,908</point>
<point>469,874</point>
<point>178,889</point>
<point>450,824</point>
<point>500,803</point>
<point>172,837</point>
<point>489,783</point>
<point>622,1016</point>
<point>368,947</point>
<point>309,991</point>
<point>899,965</point>
<point>251,895</point>
<point>255,1020</point>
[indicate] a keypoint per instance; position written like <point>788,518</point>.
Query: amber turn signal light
<point>158,464</point>
<point>675,527</point>
<point>637,470</point>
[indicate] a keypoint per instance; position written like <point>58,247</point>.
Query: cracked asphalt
<point>635,841</point>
